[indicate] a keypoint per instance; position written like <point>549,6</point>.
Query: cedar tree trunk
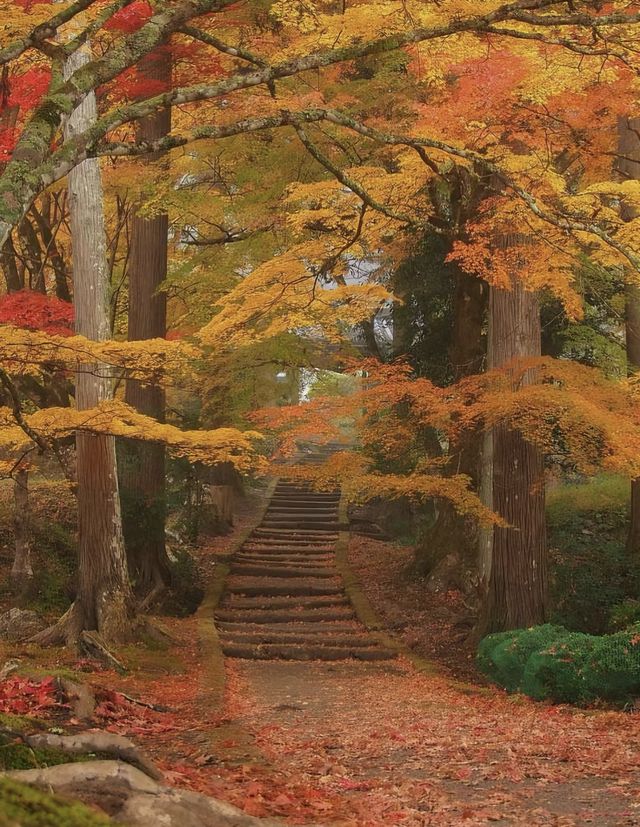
<point>22,570</point>
<point>143,478</point>
<point>517,587</point>
<point>447,555</point>
<point>104,600</point>
<point>629,168</point>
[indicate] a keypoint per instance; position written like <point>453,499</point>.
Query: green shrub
<point>548,662</point>
<point>503,656</point>
<point>625,614</point>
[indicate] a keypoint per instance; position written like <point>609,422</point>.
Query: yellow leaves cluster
<point>507,242</point>
<point>16,22</point>
<point>118,419</point>
<point>573,413</point>
<point>353,474</point>
<point>288,293</point>
<point>26,352</point>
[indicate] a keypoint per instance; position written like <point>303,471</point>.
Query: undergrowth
<point>592,574</point>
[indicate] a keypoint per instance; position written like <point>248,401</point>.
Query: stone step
<point>248,570</point>
<point>309,628</point>
<point>306,516</point>
<point>263,586</point>
<point>275,651</point>
<point>300,525</point>
<point>297,560</point>
<point>314,497</point>
<point>300,549</point>
<point>302,509</point>
<point>308,536</point>
<point>257,639</point>
<point>258,616</point>
<point>284,602</point>
<point>290,544</point>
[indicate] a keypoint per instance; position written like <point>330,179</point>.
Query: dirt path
<point>317,736</point>
<point>381,745</point>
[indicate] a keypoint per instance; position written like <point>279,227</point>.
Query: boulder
<point>20,624</point>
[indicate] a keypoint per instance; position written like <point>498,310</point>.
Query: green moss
<point>17,756</point>
<point>20,723</point>
<point>24,806</point>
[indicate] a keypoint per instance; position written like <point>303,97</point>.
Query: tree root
<point>92,646</point>
<point>64,632</point>
<point>152,596</point>
<point>85,773</point>
<point>105,743</point>
<point>80,698</point>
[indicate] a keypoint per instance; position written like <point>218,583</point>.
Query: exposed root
<point>153,596</point>
<point>134,798</point>
<point>64,632</point>
<point>104,743</point>
<point>93,647</point>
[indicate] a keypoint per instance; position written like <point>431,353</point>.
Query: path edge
<point>213,675</point>
<point>362,606</point>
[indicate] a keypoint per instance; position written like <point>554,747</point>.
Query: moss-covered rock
<point>24,806</point>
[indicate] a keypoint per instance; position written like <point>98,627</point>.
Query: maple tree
<point>273,167</point>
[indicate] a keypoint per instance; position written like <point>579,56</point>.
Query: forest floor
<point>367,745</point>
<point>382,744</point>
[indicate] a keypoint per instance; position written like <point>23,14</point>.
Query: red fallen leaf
<point>323,806</point>
<point>282,800</point>
<point>254,788</point>
<point>348,784</point>
<point>254,807</point>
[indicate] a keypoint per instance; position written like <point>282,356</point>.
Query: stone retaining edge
<point>213,677</point>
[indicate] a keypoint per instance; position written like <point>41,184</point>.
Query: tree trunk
<point>629,168</point>
<point>447,555</point>
<point>517,588</point>
<point>144,503</point>
<point>22,570</point>
<point>103,601</point>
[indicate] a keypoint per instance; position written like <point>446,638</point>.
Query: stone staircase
<point>284,598</point>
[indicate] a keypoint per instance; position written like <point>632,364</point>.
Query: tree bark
<point>517,588</point>
<point>447,555</point>
<point>103,601</point>
<point>628,166</point>
<point>22,569</point>
<point>143,494</point>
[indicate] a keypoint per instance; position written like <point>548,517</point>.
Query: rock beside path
<point>131,797</point>
<point>20,624</point>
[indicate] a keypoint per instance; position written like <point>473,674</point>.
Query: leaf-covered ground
<point>356,744</point>
<point>366,744</point>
